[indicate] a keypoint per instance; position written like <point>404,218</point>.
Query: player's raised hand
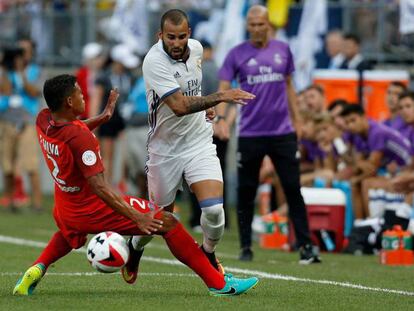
<point>237,96</point>
<point>147,223</point>
<point>110,105</point>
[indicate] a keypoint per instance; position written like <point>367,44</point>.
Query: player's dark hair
<point>352,37</point>
<point>175,16</point>
<point>338,103</point>
<point>351,109</point>
<point>399,84</point>
<point>409,94</point>
<point>56,89</point>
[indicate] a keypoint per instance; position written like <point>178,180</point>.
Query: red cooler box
<point>326,215</point>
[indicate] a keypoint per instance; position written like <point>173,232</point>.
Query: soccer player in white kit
<point>180,143</point>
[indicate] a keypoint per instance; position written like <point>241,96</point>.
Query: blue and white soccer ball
<point>107,252</point>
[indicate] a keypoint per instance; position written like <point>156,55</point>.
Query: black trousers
<point>283,152</point>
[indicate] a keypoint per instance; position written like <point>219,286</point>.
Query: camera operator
<point>19,103</point>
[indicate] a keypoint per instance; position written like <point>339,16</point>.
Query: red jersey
<point>72,154</point>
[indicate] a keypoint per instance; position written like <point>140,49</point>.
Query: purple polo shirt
<point>408,132</point>
<point>262,72</point>
<point>312,151</point>
<point>397,123</point>
<point>391,143</point>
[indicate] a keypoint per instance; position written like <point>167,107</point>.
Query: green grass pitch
<point>71,284</point>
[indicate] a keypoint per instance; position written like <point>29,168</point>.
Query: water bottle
<point>329,244</point>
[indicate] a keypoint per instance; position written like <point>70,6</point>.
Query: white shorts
<point>166,177</point>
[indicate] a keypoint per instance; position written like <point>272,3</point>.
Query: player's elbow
<point>179,110</point>
<point>178,105</point>
<point>98,186</point>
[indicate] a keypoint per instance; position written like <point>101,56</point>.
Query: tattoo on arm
<point>197,103</point>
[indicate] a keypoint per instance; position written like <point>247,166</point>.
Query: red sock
<point>55,249</point>
<point>186,250</point>
<point>18,186</point>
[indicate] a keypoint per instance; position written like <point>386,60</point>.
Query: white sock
<point>212,223</point>
<point>376,203</point>
<point>139,241</point>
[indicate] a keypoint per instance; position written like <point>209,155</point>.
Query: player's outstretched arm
<point>222,127</point>
<point>104,117</point>
<point>182,105</point>
<point>145,222</point>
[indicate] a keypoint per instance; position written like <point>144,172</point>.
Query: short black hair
<point>351,109</point>
<point>352,37</point>
<point>56,89</point>
<point>409,94</point>
<point>338,103</point>
<point>399,84</point>
<point>175,16</point>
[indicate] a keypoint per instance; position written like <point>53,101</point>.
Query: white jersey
<point>170,135</point>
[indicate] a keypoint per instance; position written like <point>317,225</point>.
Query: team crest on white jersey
<point>252,62</point>
<point>277,58</point>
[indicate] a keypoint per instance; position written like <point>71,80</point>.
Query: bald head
<point>256,10</point>
<point>258,25</point>
<point>334,43</point>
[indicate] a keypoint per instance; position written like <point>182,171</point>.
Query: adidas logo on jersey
<point>252,62</point>
<point>177,75</point>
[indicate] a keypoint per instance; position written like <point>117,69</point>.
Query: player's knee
<point>169,221</point>
<point>214,214</point>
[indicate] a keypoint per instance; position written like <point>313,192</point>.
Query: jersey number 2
<point>56,171</point>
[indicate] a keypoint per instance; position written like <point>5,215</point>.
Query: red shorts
<point>76,233</point>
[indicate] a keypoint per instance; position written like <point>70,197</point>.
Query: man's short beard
<point>169,54</point>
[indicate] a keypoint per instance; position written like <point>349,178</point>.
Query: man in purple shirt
<point>395,89</point>
<point>377,146</point>
<point>263,67</point>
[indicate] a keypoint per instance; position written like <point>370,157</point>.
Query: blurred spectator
<point>315,99</point>
<point>353,59</point>
<point>407,23</point>
<point>334,44</point>
<point>19,102</point>
<point>136,134</point>
<point>376,146</point>
<point>117,75</point>
<point>335,109</point>
<point>394,91</point>
<point>93,61</point>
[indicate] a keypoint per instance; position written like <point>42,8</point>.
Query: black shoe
<point>308,255</point>
<point>130,270</point>
<point>246,254</point>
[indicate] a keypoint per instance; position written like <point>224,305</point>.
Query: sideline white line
<point>260,274</point>
<point>103,274</point>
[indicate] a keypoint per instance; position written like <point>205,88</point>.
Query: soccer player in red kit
<point>85,203</point>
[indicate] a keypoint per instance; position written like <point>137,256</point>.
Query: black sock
<point>211,257</point>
